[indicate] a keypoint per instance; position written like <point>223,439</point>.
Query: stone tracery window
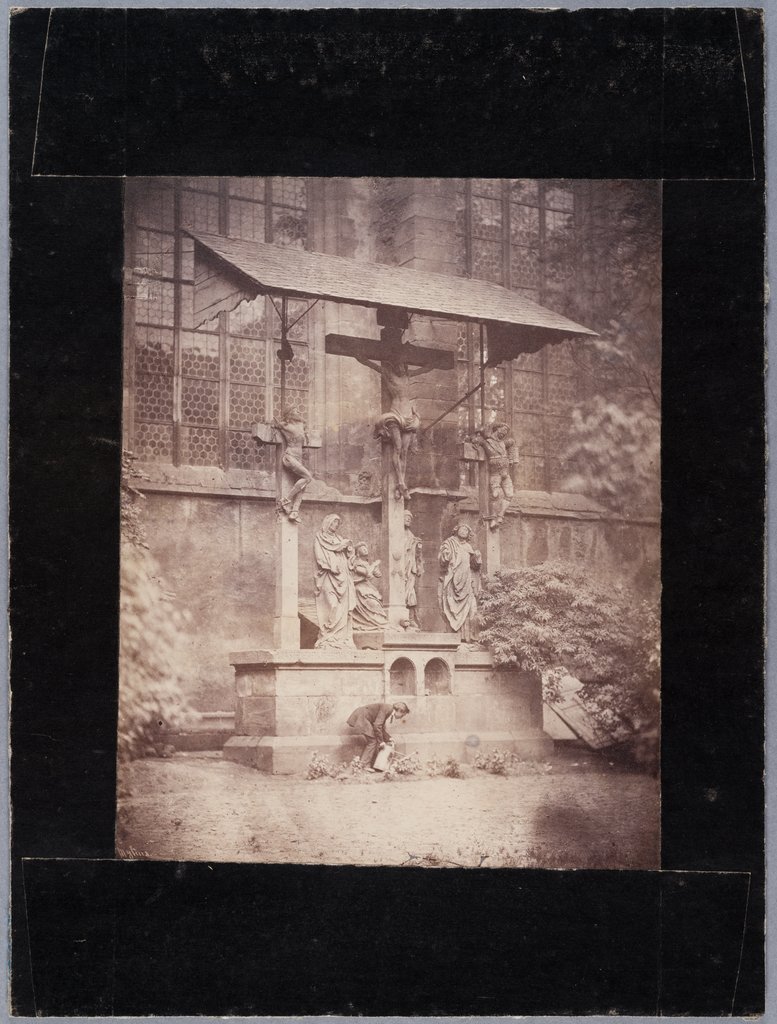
<point>197,392</point>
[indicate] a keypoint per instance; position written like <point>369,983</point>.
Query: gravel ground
<point>572,811</point>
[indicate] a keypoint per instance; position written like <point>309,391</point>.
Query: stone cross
<point>286,632</point>
<point>390,350</point>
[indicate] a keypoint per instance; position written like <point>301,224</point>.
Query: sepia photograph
<point>386,533</point>
<point>390,572</point>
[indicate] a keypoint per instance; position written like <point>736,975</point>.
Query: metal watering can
<point>383,759</point>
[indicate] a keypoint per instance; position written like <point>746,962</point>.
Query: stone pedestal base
<point>289,755</point>
<point>290,703</point>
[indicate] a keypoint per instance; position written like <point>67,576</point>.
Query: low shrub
<point>450,768</point>
<point>320,767</point>
<point>408,764</point>
<point>555,618</point>
<point>496,762</point>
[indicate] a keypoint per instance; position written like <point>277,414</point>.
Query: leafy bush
<point>450,768</point>
<point>496,762</point>
<point>320,767</point>
<point>153,657</point>
<point>507,762</point>
<point>552,618</point>
<point>408,764</point>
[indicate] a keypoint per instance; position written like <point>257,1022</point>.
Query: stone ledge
<point>341,658</point>
<point>474,659</point>
<point>421,640</point>
<point>560,505</point>
<point>223,489</point>
<point>199,739</point>
<point>204,490</point>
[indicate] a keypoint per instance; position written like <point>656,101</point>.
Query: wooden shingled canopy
<point>230,270</point>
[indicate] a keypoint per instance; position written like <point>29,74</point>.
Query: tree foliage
<point>153,657</point>
<point>614,449</point>
<point>553,618</point>
<point>614,454</point>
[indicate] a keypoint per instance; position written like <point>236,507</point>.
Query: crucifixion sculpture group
<point>347,579</point>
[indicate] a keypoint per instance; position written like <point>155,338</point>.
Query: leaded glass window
<point>199,390</point>
<point>521,233</point>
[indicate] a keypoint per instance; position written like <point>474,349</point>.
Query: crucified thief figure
<point>498,446</point>
<point>292,429</point>
<point>400,425</point>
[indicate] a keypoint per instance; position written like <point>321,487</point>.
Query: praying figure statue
<point>457,589</point>
<point>291,427</point>
<point>369,615</point>
<point>498,446</point>
<point>413,569</point>
<point>400,425</point>
<point>333,585</point>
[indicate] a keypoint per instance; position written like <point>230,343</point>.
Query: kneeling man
<point>371,721</point>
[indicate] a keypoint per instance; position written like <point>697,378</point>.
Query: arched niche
<point>437,677</point>
<point>402,677</point>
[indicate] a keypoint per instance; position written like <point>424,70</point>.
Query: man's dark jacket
<point>371,721</point>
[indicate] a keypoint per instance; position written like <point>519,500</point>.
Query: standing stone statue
<point>413,569</point>
<point>498,446</point>
<point>400,425</point>
<point>333,585</point>
<point>459,562</point>
<point>369,616</point>
<point>291,427</point>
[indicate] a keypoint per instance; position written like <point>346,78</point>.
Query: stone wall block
<point>468,682</point>
<point>440,714</point>
<point>362,683</point>
<point>538,544</point>
<point>428,207</point>
<point>255,716</point>
<point>246,750</point>
<point>292,717</point>
<point>513,710</point>
<point>243,685</point>
<point>330,715</point>
<point>306,682</point>
<point>439,232</point>
<point>326,714</point>
<point>473,714</point>
<point>367,683</point>
<point>262,683</point>
<point>426,248</point>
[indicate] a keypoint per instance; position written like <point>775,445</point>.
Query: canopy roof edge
<point>230,270</point>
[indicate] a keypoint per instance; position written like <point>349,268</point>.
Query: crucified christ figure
<point>400,425</point>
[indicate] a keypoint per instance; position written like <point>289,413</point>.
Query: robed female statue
<point>369,614</point>
<point>333,585</point>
